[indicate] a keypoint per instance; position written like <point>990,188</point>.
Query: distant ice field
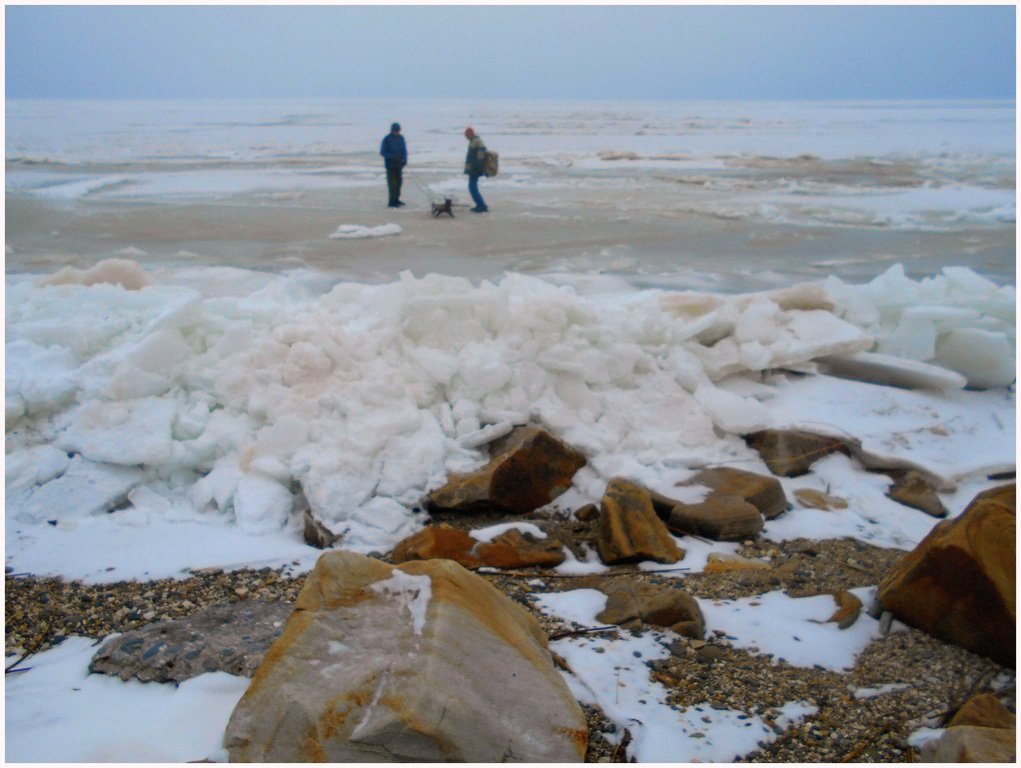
<point>889,166</point>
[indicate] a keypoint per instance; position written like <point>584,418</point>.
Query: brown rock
<point>848,609</point>
<point>318,535</point>
<point>587,513</point>
<point>514,549</point>
<point>986,711</point>
<point>719,517</point>
<point>958,584</point>
<point>511,549</point>
<point>972,744</point>
<point>633,604</point>
<point>789,453</point>
<point>528,469</point>
<point>762,492</point>
<point>411,664</point>
<point>437,542</point>
<point>629,530</point>
<point>913,490</point>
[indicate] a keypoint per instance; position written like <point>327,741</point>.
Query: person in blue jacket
<point>475,166</point>
<point>395,155</point>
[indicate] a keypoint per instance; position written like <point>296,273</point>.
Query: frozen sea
<point>213,322</point>
<point>721,196</point>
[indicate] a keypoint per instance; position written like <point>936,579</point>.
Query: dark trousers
<point>394,177</point>
<point>473,190</point>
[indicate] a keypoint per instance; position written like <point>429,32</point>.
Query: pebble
<point>41,611</point>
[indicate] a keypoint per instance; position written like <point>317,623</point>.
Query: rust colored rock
<point>848,609</point>
<point>437,542</point>
<point>719,517</point>
<point>511,549</point>
<point>958,584</point>
<point>789,453</point>
<point>514,549</point>
<point>634,604</point>
<point>587,513</point>
<point>629,530</point>
<point>761,491</point>
<point>420,662</point>
<point>528,469</point>
<point>913,490</point>
<point>986,711</point>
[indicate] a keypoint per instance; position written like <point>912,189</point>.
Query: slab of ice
<point>950,434</point>
<point>357,231</point>
<point>986,358</point>
<point>84,488</point>
<point>893,371</point>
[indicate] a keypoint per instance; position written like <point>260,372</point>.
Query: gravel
<point>40,612</point>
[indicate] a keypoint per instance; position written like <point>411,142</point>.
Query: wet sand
<point>650,235</point>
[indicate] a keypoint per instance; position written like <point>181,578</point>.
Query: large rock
<point>629,530</point>
<point>719,517</point>
<point>633,604</point>
<point>958,584</point>
<point>511,549</point>
<point>420,662</point>
<point>789,453</point>
<point>232,637</point>
<point>762,492</point>
<point>528,469</point>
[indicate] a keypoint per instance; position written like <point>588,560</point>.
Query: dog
<point>447,206</point>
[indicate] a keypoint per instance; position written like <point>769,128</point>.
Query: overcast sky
<point>585,52</point>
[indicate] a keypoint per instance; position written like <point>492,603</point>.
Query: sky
<point>480,51</point>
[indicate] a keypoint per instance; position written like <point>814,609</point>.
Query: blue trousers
<point>473,190</point>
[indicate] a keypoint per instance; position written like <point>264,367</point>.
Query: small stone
<point>913,490</point>
<point>815,499</point>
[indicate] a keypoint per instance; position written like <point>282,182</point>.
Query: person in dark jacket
<point>475,166</point>
<point>395,156</point>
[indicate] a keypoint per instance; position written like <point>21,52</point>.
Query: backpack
<point>491,163</point>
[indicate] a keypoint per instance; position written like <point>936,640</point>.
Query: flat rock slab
<point>719,517</point>
<point>232,637</point>
<point>761,491</point>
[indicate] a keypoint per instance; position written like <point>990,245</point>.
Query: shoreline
<point>940,677</point>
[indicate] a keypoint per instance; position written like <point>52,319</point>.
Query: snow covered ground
<point>204,410</point>
<point>165,415</point>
